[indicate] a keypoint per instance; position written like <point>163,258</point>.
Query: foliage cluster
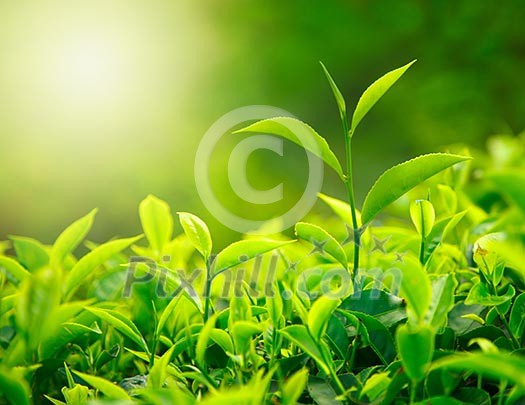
<point>424,305</point>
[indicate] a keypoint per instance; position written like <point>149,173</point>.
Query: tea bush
<point>423,304</point>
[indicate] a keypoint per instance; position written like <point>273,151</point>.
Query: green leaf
<point>319,314</point>
<point>69,239</point>
<point>484,344</point>
<point>373,302</point>
<point>494,247</point>
<point>337,94</point>
<point>374,92</point>
<point>54,401</point>
<point>69,376</point>
<point>202,342</point>
<point>157,222</point>
<point>498,366</point>
<point>93,259</point>
<point>442,301</point>
<point>30,252</point>
<point>441,230</point>
<point>322,240</point>
<point>378,336</point>
<point>415,288</point>
<point>107,355</point>
<point>375,386</point>
<point>299,335</point>
<point>240,252</point>
<point>110,390</point>
<point>159,372</point>
<point>166,313</point>
<point>223,339</point>
<point>415,347</point>
<point>13,269</point>
<point>242,332</point>
<point>321,391</point>
<point>237,395</point>
<point>517,316</point>
<point>340,208</point>
<point>399,179</point>
<point>300,133</point>
<point>78,395</point>
<point>121,323</point>
<point>274,305</point>
<point>197,232</point>
<point>294,387</point>
<point>14,386</point>
<point>481,295</point>
<point>423,216</point>
<point>38,299</point>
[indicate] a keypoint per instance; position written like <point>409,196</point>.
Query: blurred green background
<point>102,103</point>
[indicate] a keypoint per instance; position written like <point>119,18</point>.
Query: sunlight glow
<point>91,72</point>
<point>88,69</point>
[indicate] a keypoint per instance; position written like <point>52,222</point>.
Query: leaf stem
<point>423,232</point>
<point>354,346</point>
<point>494,288</point>
<point>350,190</point>
<point>207,291</point>
<point>335,377</point>
<point>515,342</point>
<point>413,387</point>
<point>155,335</point>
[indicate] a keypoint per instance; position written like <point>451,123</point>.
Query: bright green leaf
<point>242,332</point>
<point>299,335</point>
<point>78,395</point>
<point>14,271</point>
<point>197,232</point>
<point>240,252</point>
<point>121,323</point>
<point>415,288</point>
<point>159,372</point>
<point>294,387</point>
<point>70,238</point>
<point>442,302</point>
<point>93,259</point>
<point>110,390</point>
<point>39,298</point>
<point>319,314</point>
<point>157,222</point>
<point>481,295</point>
<point>416,347</point>
<point>300,133</point>
<point>337,93</point>
<point>423,216</point>
<point>375,386</point>
<point>30,252</point>
<point>399,179</point>
<point>340,208</point>
<point>223,339</point>
<point>374,92</point>
<point>202,342</point>
<point>321,240</point>
<point>498,366</point>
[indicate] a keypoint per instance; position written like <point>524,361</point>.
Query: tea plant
<point>424,305</point>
